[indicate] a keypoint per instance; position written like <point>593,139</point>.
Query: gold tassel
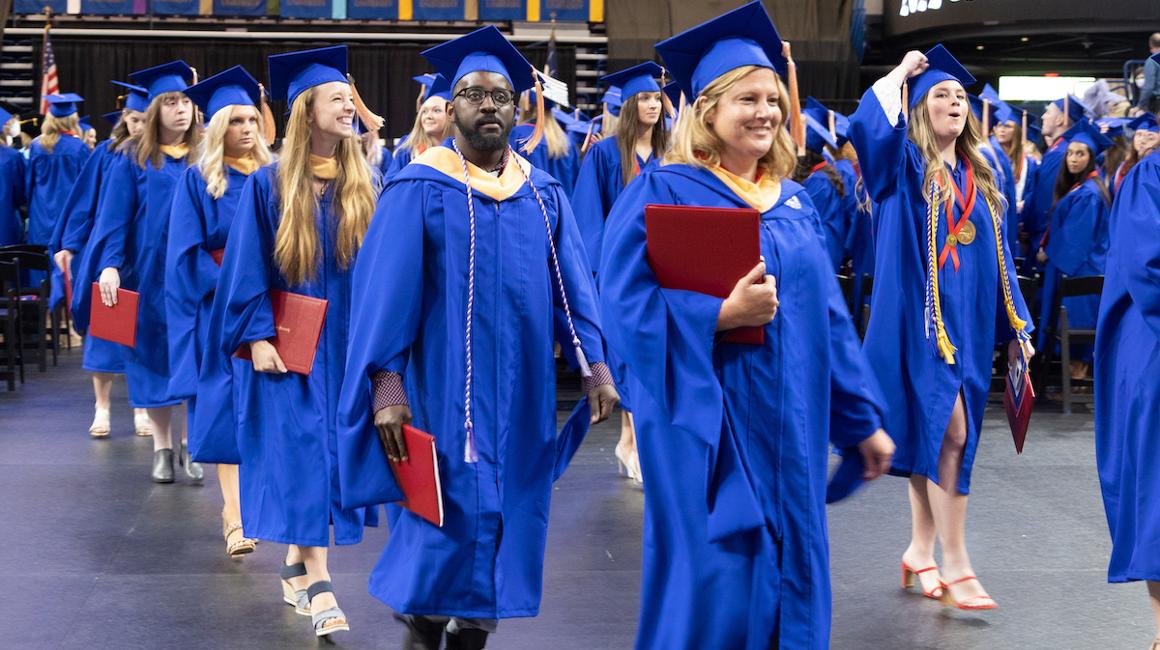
<point>833,128</point>
<point>906,101</point>
<point>986,118</point>
<point>369,119</point>
<point>942,341</point>
<point>538,132</point>
<point>269,129</point>
<point>797,127</point>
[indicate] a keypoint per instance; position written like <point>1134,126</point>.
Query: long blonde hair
<point>419,136</point>
<point>696,144</point>
<point>296,242</point>
<point>149,143</point>
<point>558,142</point>
<point>936,182</point>
<point>52,127</point>
<point>211,159</point>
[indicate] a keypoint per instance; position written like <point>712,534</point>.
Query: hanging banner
<point>503,9</point>
<point>438,9</point>
<point>37,6</point>
<point>372,9</point>
<point>106,7</point>
<point>239,7</point>
<point>174,7</point>
<point>306,9</point>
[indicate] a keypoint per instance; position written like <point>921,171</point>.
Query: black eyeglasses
<point>499,96</point>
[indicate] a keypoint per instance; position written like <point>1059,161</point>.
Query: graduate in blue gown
<point>952,295</point>
<point>1145,137</point>
<point>127,250</point>
<point>1011,138</point>
<point>1127,382</point>
<point>734,439</point>
<point>55,160</point>
<point>555,153</point>
<point>302,238</point>
<point>432,125</point>
<point>471,269</point>
<point>102,358</point>
<point>1076,241</point>
<point>1059,119</point>
<point>827,191</point>
<point>11,187</point>
<point>203,210</point>
<point>987,108</point>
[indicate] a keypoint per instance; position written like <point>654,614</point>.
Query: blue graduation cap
<point>1074,108</point>
<point>847,478</point>
<point>818,135</point>
<point>1146,122</point>
<point>564,118</point>
<point>5,116</point>
<point>439,88</point>
<point>230,87</point>
<point>1112,127</point>
<point>943,67</point>
<point>425,80</point>
<point>821,114</point>
<point>112,118</point>
<point>991,95</point>
<point>484,50</point>
<point>640,78</point>
<point>673,91</point>
<point>1087,133</point>
<point>84,125</point>
<point>63,105</point>
<point>612,97</point>
<point>293,73</point>
<point>741,37</point>
<point>1034,133</point>
<point>136,99</point>
<point>174,76</point>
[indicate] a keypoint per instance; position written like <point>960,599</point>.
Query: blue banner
<point>372,9</point>
<point>439,10</point>
<point>174,7</point>
<point>107,7</point>
<point>37,6</point>
<point>503,10</point>
<point>239,7</point>
<point>306,9</point>
<point>564,10</point>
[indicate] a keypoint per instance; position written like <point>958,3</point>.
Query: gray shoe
<point>193,471</point>
<point>163,466</point>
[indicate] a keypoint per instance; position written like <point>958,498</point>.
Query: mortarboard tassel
<point>538,132</point>
<point>833,128</point>
<point>588,138</point>
<point>665,101</point>
<point>373,122</point>
<point>986,118</point>
<point>797,126</point>
<point>269,129</point>
<point>1022,147</point>
<point>906,101</point>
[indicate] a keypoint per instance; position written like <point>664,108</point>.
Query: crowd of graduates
<point>503,231</point>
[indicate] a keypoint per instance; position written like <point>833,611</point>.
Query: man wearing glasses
<point>471,270</point>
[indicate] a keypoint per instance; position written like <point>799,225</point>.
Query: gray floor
<point>96,556</point>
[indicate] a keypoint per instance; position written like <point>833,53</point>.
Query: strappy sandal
<point>100,426</point>
<point>241,546</point>
<point>910,576</point>
<point>298,599</point>
<point>328,621</point>
<point>971,604</point>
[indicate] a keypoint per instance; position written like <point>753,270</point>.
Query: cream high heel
<point>142,425</point>
<point>100,426</point>
<point>629,464</point>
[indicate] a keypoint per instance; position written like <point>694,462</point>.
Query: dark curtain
<point>819,31</point>
<point>382,71</point>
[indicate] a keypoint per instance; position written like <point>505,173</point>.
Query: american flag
<point>49,84</point>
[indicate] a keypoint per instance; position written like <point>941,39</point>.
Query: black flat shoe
<point>163,466</point>
<point>469,639</point>
<point>423,633</point>
<point>193,471</point>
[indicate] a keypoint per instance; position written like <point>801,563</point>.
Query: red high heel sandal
<point>974,603</point>
<point>909,575</point>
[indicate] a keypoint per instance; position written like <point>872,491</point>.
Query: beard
<point>484,141</point>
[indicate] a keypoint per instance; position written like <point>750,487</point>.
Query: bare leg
<point>1154,592</point>
<point>294,556</point>
<point>228,479</point>
<point>950,508</point>
<point>626,447</point>
<point>161,420</point>
<point>920,553</point>
<point>141,422</point>
<point>315,559</point>
<point>103,389</point>
<point>178,424</point>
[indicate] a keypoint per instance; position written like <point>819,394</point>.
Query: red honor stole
<point>963,231</point>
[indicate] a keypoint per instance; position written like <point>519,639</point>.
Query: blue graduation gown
<point>1005,177</point>
<point>129,234</point>
<point>50,176</point>
<point>564,169</point>
<point>399,160</point>
<point>1038,199</point>
<point>410,288</point>
<point>198,224</point>
<point>1077,246</point>
<point>923,387</point>
<point>1127,378</point>
<point>859,245</point>
<point>597,187</point>
<point>282,427</point>
<point>734,439</point>
<point>832,211</point>
<point>72,233</point>
<point>11,196</point>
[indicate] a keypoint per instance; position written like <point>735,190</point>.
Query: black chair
<point>10,323</point>
<point>867,289</point>
<point>846,283</point>
<point>36,334</point>
<point>1092,285</point>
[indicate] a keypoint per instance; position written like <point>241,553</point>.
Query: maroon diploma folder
<point>706,250</point>
<point>117,323</point>
<point>298,324</point>
<point>1018,401</point>
<point>418,476</point>
<point>68,291</point>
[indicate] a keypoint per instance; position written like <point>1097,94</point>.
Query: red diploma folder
<point>218,255</point>
<point>117,323</point>
<point>706,250</point>
<point>418,476</point>
<point>68,291</point>
<point>298,324</point>
<point>1018,400</point>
